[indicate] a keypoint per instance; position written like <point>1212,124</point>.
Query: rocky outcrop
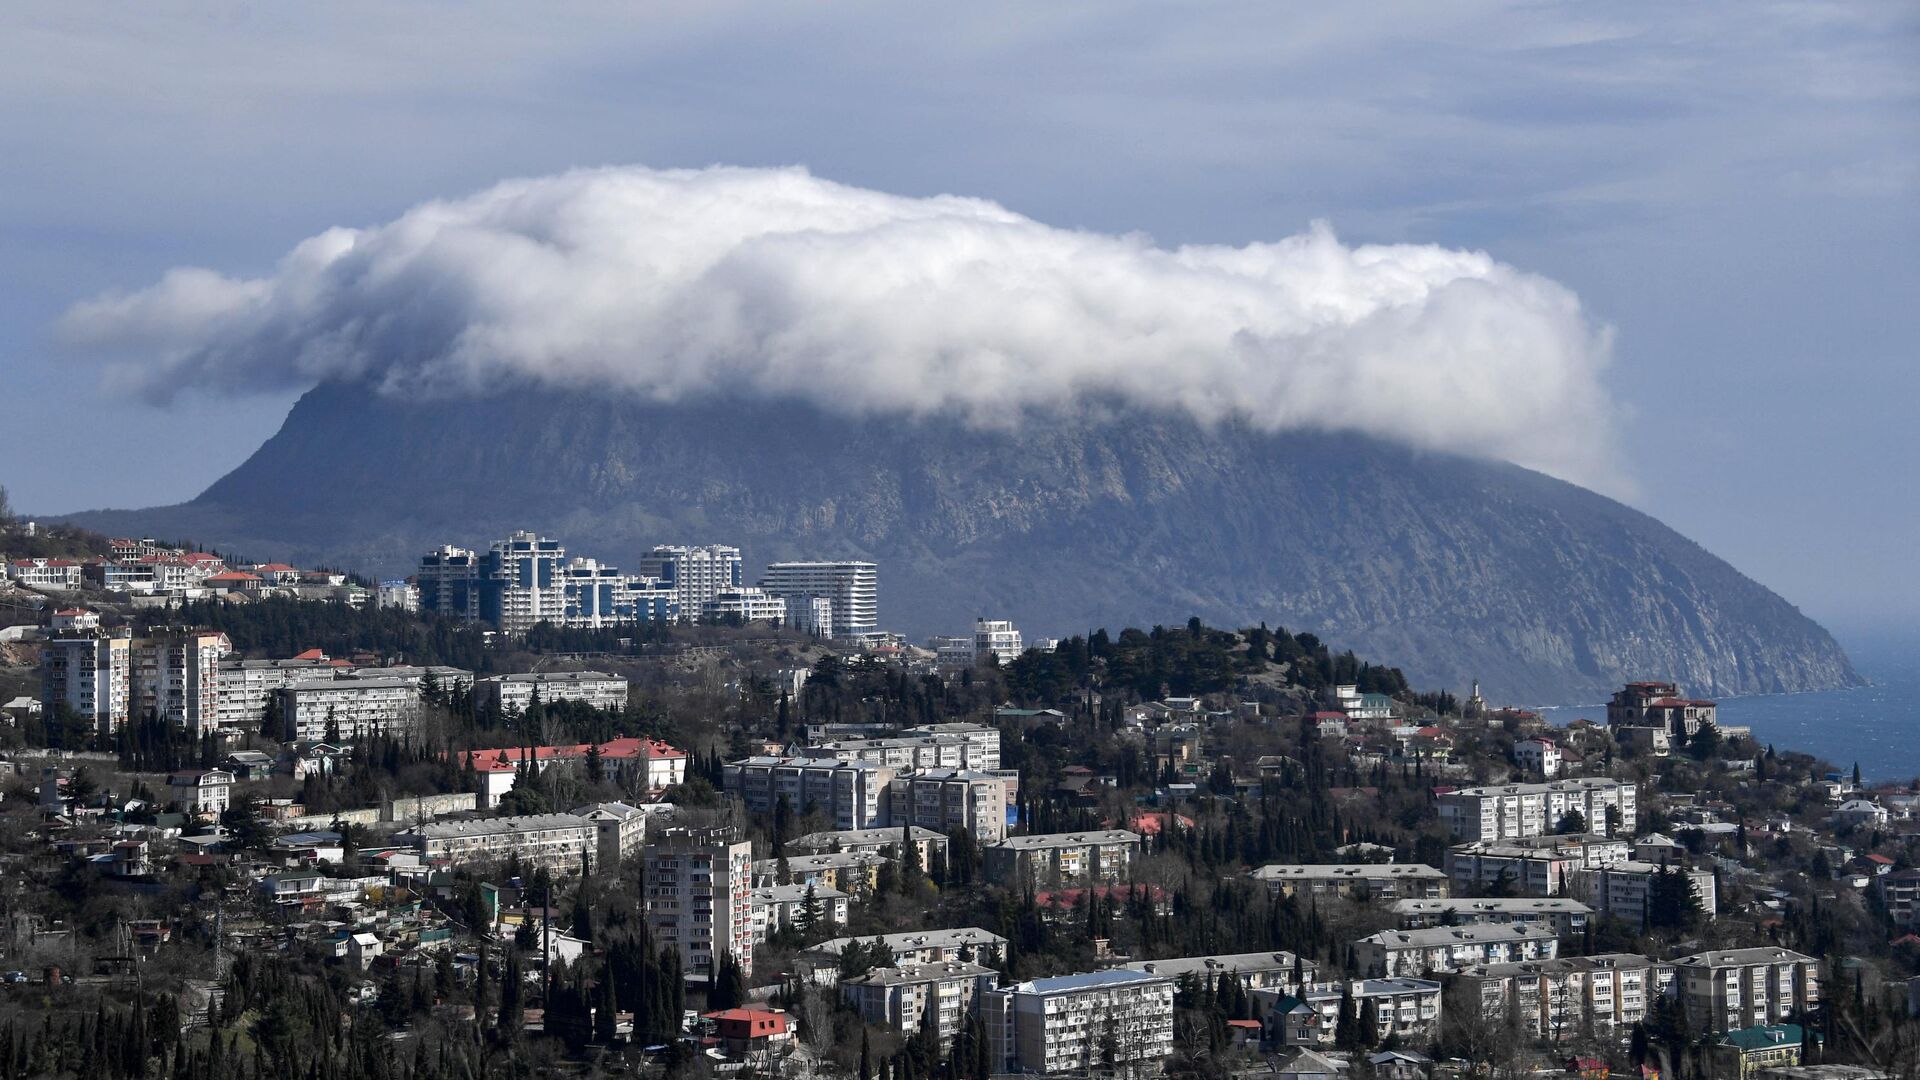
<point>1449,567</point>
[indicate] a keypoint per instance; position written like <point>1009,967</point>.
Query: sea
<point>1877,726</point>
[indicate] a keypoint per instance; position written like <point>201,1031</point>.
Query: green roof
<point>1764,1036</point>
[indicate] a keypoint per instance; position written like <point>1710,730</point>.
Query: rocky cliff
<point>1449,567</point>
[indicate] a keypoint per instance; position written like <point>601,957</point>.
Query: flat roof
<point>1041,841</point>
<point>1088,980</point>
<point>1276,960</point>
<point>1275,871</point>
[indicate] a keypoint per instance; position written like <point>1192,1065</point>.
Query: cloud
<point>677,284</point>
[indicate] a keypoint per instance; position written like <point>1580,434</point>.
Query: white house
<point>203,791</point>
<point>1859,812</point>
<point>1539,756</point>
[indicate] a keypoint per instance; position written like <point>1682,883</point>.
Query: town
<point>522,812</point>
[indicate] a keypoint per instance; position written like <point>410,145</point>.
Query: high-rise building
<point>694,574</point>
<point>176,677</point>
<point>449,582</point>
<point>599,595</point>
<point>171,675</point>
<point>91,675</point>
<point>998,638</point>
<point>522,583</point>
<point>699,893</point>
<point>851,588</point>
<point>747,604</point>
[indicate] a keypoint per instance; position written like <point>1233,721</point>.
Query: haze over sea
<point>1876,725</point>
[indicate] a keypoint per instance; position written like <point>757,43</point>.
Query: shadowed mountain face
<point>1450,568</point>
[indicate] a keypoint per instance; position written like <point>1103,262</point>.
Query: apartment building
<point>562,843</point>
<point>852,794</point>
<point>449,581</point>
<point>598,595</point>
<point>176,677</point>
<point>854,872</point>
<point>1562,914</point>
<point>1409,1009</point>
<point>523,583</point>
<point>1514,811</point>
<point>852,590</point>
<point>777,907</point>
<point>694,574</point>
<point>947,799</point>
<point>1050,860</point>
<point>984,739</point>
<point>997,638</point>
<point>1357,881</point>
<point>1729,989</point>
<point>1278,969</point>
<point>246,687</point>
<point>1076,1023</point>
<point>967,943</point>
<point>510,695</point>
<point>647,764</point>
<point>885,842</point>
<point>1621,890</point>
<point>699,892</point>
<point>1564,996</point>
<point>45,573</point>
<point>620,831</point>
<point>1414,953</point>
<point>909,753</point>
<point>745,603</point>
<point>347,710</point>
<point>92,676</point>
<point>898,997</point>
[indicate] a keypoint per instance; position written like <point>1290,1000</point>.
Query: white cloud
<point>681,283</point>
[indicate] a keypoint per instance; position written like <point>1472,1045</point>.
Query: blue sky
<point>1730,187</point>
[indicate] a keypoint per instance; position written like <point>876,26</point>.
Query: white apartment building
<point>852,589</point>
<point>511,694</point>
<point>699,892</point>
<point>1075,1023</point>
<point>852,872</point>
<point>695,575</point>
<point>1361,881</point>
<point>985,738</point>
<point>998,639</point>
<point>777,907</point>
<point>969,944</point>
<point>348,710</point>
<point>852,794</point>
<point>1729,989</point>
<point>398,595</point>
<point>878,841</point>
<point>947,799</point>
<point>1565,996</point>
<point>1407,1008</point>
<point>1415,953</point>
<point>952,653</point>
<point>899,996</point>
<point>247,686</point>
<point>523,583</point>
<point>91,675</point>
<point>560,842</point>
<point>620,830</point>
<point>1256,971</point>
<point>46,573</point>
<point>1538,866</point>
<point>1621,890</point>
<point>910,752</point>
<point>1540,757</point>
<point>811,614</point>
<point>1564,915</point>
<point>745,603</point>
<point>1514,811</point>
<point>1055,859</point>
<point>202,791</point>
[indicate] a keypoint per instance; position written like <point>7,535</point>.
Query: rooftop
<point>1088,980</point>
<point>1043,841</point>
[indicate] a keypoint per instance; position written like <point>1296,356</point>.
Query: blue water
<point>1877,725</point>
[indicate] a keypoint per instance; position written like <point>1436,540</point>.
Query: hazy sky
<point>1731,188</point>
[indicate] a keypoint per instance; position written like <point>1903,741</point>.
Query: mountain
<point>1449,567</point>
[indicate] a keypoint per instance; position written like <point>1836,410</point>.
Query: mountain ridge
<point>1450,567</point>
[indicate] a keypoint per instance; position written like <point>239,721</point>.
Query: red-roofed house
<point>74,620</point>
<point>750,1031</point>
<point>648,762</point>
<point>235,581</point>
<point>278,573</point>
<point>45,573</point>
